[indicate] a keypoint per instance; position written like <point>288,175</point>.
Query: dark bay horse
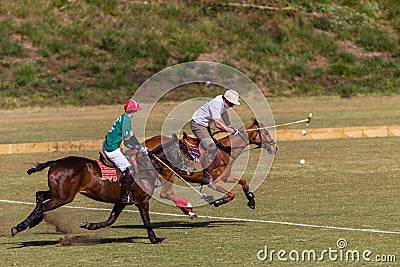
<point>72,175</point>
<point>231,147</point>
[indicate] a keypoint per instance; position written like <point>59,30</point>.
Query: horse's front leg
<point>246,189</point>
<point>144,213</point>
<point>116,211</point>
<point>221,186</point>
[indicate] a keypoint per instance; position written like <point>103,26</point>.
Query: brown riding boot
<point>206,161</point>
<point>126,183</point>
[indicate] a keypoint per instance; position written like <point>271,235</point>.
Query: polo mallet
<point>308,120</point>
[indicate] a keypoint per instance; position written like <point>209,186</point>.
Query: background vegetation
<point>99,51</point>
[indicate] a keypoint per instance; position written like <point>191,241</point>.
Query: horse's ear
<point>255,122</point>
<point>174,137</point>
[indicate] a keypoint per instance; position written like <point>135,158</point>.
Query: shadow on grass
<point>180,224</point>
<point>81,240</point>
<point>69,240</point>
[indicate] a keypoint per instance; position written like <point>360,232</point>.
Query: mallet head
<point>309,119</point>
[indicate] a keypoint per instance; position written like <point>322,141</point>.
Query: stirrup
<point>127,200</point>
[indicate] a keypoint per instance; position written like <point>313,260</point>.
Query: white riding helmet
<point>232,96</point>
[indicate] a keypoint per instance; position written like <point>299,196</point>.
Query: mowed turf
<point>347,184</point>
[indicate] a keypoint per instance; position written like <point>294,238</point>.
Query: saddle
<point>192,145</point>
<point>190,141</point>
<point>108,168</point>
<point>105,160</point>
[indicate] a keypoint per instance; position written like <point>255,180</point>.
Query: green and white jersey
<point>121,128</point>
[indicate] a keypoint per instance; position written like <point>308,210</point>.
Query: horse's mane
<point>219,143</point>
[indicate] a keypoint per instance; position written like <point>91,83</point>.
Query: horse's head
<point>173,154</point>
<point>260,136</point>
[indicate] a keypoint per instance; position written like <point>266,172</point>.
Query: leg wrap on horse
<point>247,192</point>
<point>32,220</point>
<point>249,196</point>
<point>126,182</point>
<point>183,204</point>
<point>221,201</point>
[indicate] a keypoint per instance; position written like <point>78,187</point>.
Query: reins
<point>174,172</point>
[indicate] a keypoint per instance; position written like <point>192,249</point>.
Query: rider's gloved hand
<point>143,149</point>
<point>235,132</point>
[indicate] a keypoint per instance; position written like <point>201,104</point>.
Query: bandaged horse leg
<point>246,189</point>
<point>184,205</point>
<point>36,216</point>
<point>167,192</point>
<point>222,187</point>
<point>223,200</point>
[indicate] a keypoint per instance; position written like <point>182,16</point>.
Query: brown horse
<point>231,147</point>
<point>71,175</point>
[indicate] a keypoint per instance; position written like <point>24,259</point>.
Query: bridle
<point>263,141</point>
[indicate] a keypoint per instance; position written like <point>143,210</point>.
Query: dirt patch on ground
<point>214,57</point>
<point>350,47</point>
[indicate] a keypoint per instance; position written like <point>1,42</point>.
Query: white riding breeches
<point>118,158</point>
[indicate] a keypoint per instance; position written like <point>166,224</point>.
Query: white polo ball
<point>302,161</point>
<point>303,132</point>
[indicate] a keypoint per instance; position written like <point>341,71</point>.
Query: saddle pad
<point>195,153</point>
<point>107,172</point>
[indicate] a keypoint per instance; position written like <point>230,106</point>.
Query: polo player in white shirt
<point>214,110</point>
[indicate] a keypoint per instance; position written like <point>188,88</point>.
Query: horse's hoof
<point>193,216</point>
<point>251,204</point>
<point>84,224</point>
<point>209,199</point>
<point>14,231</point>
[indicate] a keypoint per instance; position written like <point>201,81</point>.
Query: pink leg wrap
<point>179,201</point>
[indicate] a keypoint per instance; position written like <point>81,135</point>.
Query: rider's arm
<point>225,119</point>
<point>131,142</point>
<point>220,125</point>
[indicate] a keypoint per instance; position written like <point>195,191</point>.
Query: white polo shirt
<point>212,109</point>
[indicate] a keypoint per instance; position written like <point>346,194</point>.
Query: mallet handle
<point>157,158</point>
<point>278,125</point>
<point>308,120</point>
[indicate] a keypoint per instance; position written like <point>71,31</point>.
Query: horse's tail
<point>41,166</point>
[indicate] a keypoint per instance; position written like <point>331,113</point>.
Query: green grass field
<point>349,185</point>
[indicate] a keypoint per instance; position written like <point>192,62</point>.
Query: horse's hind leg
<point>167,192</point>
<point>116,211</point>
<point>36,216</point>
<point>41,207</point>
